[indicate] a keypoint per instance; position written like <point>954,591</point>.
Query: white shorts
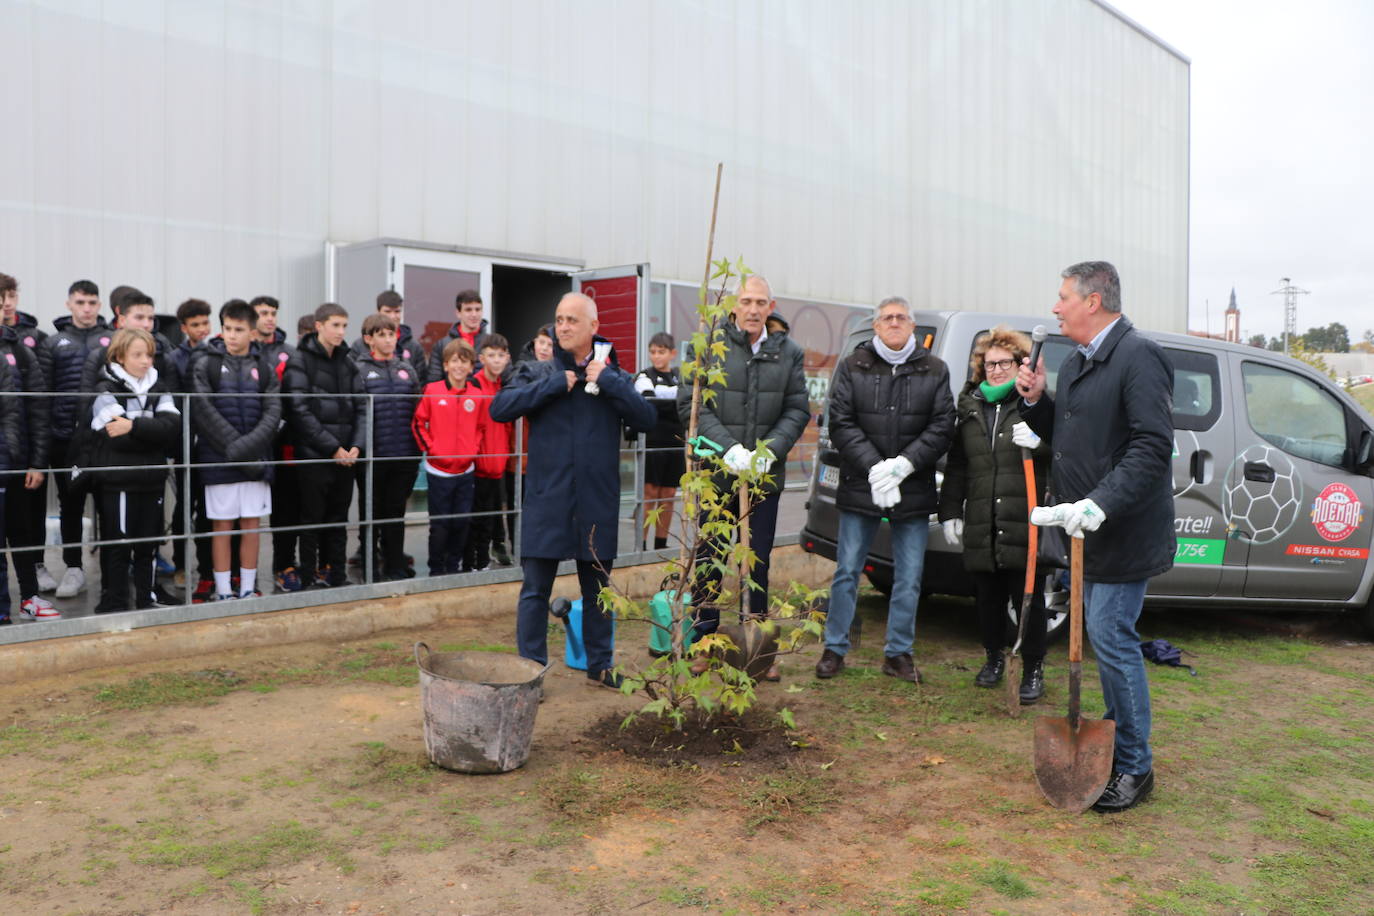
<point>244,499</point>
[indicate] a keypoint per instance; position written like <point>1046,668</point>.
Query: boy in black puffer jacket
<point>62,356</point>
<point>13,456</point>
<point>131,423</point>
<point>26,491</point>
<point>327,416</point>
<point>392,380</point>
<point>237,423</point>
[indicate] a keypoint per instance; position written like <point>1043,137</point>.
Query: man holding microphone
<point>1110,429</point>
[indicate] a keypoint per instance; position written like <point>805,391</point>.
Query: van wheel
<point>1056,612</point>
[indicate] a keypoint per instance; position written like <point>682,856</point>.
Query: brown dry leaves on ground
<point>294,780</point>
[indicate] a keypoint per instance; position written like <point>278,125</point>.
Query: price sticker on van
<point>1200,551</point>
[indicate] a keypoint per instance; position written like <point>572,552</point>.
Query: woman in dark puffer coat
<point>983,503</point>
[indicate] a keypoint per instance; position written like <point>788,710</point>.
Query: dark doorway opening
<point>523,300</point>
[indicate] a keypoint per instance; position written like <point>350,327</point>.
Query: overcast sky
<point>1282,178</point>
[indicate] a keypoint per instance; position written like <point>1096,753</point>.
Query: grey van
<point>1273,471</point>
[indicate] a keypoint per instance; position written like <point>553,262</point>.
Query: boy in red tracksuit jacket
<point>486,539</point>
<point>450,429</point>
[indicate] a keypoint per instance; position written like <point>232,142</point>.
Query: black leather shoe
<point>1032,683</point>
<point>1125,790</point>
<point>901,667</point>
<point>831,664</point>
<point>990,675</point>
<point>607,678</point>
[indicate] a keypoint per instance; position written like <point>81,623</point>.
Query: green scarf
<point>995,393</point>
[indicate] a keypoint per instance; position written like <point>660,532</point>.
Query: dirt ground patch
<point>294,780</point>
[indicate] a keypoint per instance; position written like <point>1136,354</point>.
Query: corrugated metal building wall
<point>960,153</point>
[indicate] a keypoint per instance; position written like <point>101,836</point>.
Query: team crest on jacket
<point>9,358</point>
<point>405,354</point>
<point>469,405</point>
<point>281,357</point>
<point>104,341</point>
<point>402,373</point>
<point>254,373</point>
<point>30,342</point>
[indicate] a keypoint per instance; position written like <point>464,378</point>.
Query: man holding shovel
<point>1111,431</point>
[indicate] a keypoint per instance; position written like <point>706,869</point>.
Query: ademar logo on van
<point>1336,512</point>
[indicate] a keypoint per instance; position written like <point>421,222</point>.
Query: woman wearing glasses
<point>983,503</point>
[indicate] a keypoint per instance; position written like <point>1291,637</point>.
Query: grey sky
<point>1282,155</point>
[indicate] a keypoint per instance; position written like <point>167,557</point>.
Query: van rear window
<point>1197,389</point>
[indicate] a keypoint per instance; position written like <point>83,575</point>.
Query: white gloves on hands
<point>737,459</point>
<point>665,391</point>
<point>1021,435</point>
<point>885,497</point>
<point>643,385</point>
<point>1076,518</point>
<point>954,530</point>
<point>879,471</point>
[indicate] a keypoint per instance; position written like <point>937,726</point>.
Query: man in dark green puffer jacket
<point>763,397</point>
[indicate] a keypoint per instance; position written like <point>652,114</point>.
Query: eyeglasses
<point>894,318</point>
<point>1003,364</point>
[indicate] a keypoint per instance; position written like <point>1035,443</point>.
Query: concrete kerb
<point>334,622</point>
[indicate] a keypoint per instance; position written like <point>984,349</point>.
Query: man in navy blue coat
<point>572,492</point>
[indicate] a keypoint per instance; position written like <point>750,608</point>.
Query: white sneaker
<point>73,581</point>
<point>38,608</point>
<point>46,583</point>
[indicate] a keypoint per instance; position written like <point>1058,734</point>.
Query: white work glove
<point>954,530</point>
<point>887,497</point>
<point>889,474</point>
<point>1084,515</point>
<point>737,459</point>
<point>1076,518</point>
<point>665,391</point>
<point>1021,435</point>
<point>879,471</point>
<point>643,385</point>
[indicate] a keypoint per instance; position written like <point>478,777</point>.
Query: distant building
<point>1232,326</point>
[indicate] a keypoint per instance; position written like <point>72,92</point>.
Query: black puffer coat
<point>63,357</point>
<point>407,348</point>
<point>763,396</point>
<point>276,351</point>
<point>879,411</point>
<point>320,425</point>
<point>238,421</point>
<point>13,442</point>
<point>138,459</point>
<point>27,375</point>
<point>1111,433</point>
<point>985,483</point>
<point>397,393</point>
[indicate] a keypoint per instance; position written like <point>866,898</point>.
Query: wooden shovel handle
<point>1075,599</point>
<point>1033,539</point>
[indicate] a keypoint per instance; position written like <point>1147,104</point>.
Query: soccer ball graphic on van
<point>1261,511</point>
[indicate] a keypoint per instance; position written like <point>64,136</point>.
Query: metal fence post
<point>188,552</point>
<point>369,530</point>
<point>519,488</point>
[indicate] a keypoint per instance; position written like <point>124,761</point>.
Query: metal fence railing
<point>362,523</point>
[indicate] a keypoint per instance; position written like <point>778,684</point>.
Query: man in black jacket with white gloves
<point>891,418</point>
<point>1111,430</point>
<point>762,397</point>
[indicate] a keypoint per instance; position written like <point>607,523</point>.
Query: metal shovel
<point>1073,756</point>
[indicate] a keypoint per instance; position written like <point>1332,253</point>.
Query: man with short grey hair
<point>572,494</point>
<point>1110,427</point>
<point>762,398</point>
<point>891,419</point>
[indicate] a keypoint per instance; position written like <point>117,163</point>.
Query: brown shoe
<point>902,668</point>
<point>774,673</point>
<point>831,664</point>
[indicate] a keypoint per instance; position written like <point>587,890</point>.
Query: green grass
<point>278,845</point>
<point>167,689</point>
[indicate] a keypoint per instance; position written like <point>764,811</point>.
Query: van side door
<point>1203,438</point>
<point>1293,490</point>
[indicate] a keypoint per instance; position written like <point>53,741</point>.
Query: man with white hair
<point>572,488</point>
<point>891,419</point>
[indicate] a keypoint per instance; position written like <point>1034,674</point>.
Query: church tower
<point>1232,334</point>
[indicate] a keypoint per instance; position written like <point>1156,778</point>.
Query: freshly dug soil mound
<point>757,737</point>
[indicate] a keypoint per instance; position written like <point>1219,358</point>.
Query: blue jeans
<point>1111,610</point>
<point>908,560</point>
